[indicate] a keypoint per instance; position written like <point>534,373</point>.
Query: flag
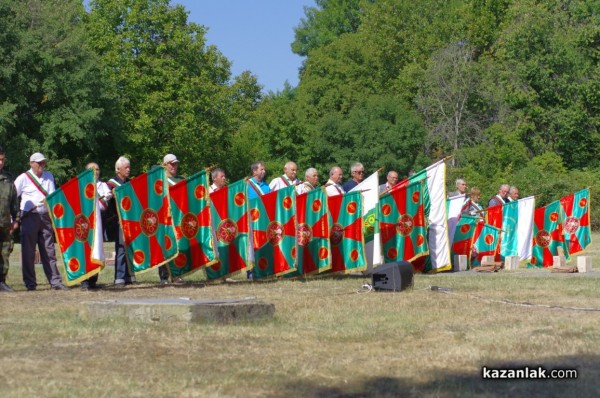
<point>273,223</point>
<point>485,242</point>
<point>145,216</point>
<point>548,234</point>
<point>370,191</point>
<point>402,225</point>
<point>454,207</point>
<point>229,211</point>
<point>73,214</point>
<point>463,236</point>
<point>509,237</point>
<point>434,202</point>
<point>346,233</point>
<point>576,227</point>
<point>190,208</point>
<point>312,233</point>
<point>525,228</point>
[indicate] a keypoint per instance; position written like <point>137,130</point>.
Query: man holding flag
<point>256,184</point>
<point>36,228</point>
<point>171,165</point>
<point>123,274</point>
<point>104,195</point>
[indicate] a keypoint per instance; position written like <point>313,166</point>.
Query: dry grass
<point>326,340</point>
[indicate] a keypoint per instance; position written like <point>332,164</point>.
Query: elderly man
<point>333,187</point>
<point>357,171</point>
<point>9,220</point>
<point>392,179</point>
<point>513,194</point>
<point>311,179</point>
<point>287,179</point>
<point>218,178</point>
<point>123,275</point>
<point>36,228</point>
<point>171,165</point>
<point>256,184</point>
<point>501,197</point>
<point>461,188</point>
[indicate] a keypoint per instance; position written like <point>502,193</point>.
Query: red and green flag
<point>576,227</point>
<point>463,236</point>
<point>485,242</point>
<point>548,235</point>
<point>273,223</point>
<point>231,226</point>
<point>346,233</point>
<point>78,230</point>
<point>190,208</point>
<point>312,233</point>
<point>144,212</point>
<point>402,223</point>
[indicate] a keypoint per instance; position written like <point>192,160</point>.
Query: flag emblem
<point>543,237</point>
<point>275,232</point>
<point>337,234</point>
<point>227,231</point>
<point>405,225</point>
<point>149,222</point>
<point>189,225</point>
<point>81,227</point>
<point>571,225</point>
<point>303,234</point>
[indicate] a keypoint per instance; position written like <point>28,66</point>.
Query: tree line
<point>510,88</point>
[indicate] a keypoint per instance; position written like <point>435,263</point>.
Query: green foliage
<point>51,100</point>
<point>326,23</point>
<point>172,89</point>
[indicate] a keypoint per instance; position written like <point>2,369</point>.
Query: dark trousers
<point>7,248</point>
<point>122,272</point>
<point>36,229</point>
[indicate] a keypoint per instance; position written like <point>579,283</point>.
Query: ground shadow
<point>462,384</point>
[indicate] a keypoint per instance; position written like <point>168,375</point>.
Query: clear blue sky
<point>255,35</point>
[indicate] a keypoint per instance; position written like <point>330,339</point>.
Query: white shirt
<point>31,196</point>
<point>282,182</point>
<point>304,188</point>
<point>333,189</point>
<point>104,195</point>
<point>213,187</point>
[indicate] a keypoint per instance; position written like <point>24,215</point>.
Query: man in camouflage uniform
<point>9,220</point>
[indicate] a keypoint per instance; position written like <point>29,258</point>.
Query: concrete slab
<point>221,311</point>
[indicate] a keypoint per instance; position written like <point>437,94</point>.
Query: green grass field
<point>328,339</point>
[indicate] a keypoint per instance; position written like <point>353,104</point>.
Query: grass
<point>326,339</point>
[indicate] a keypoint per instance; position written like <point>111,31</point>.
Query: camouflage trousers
<point>7,248</point>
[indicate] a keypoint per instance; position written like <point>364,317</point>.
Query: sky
<point>255,35</point>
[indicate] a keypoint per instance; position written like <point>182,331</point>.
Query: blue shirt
<point>264,187</point>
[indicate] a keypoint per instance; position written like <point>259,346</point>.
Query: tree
<point>445,95</point>
<point>171,88</point>
<point>325,24</point>
<point>52,100</point>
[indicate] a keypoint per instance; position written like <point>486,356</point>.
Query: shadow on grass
<point>446,383</point>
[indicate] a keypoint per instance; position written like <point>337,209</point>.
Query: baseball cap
<point>37,157</point>
<point>170,158</point>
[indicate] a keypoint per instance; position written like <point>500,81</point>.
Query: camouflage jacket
<point>9,203</point>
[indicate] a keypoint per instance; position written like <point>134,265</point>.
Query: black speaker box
<point>393,276</point>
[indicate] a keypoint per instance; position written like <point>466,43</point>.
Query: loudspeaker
<point>393,276</point>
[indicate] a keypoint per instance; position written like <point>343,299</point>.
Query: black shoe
<point>60,286</point>
<point>5,288</point>
<point>30,288</point>
<point>164,282</point>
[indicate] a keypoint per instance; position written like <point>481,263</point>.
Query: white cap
<point>170,158</point>
<point>37,157</point>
